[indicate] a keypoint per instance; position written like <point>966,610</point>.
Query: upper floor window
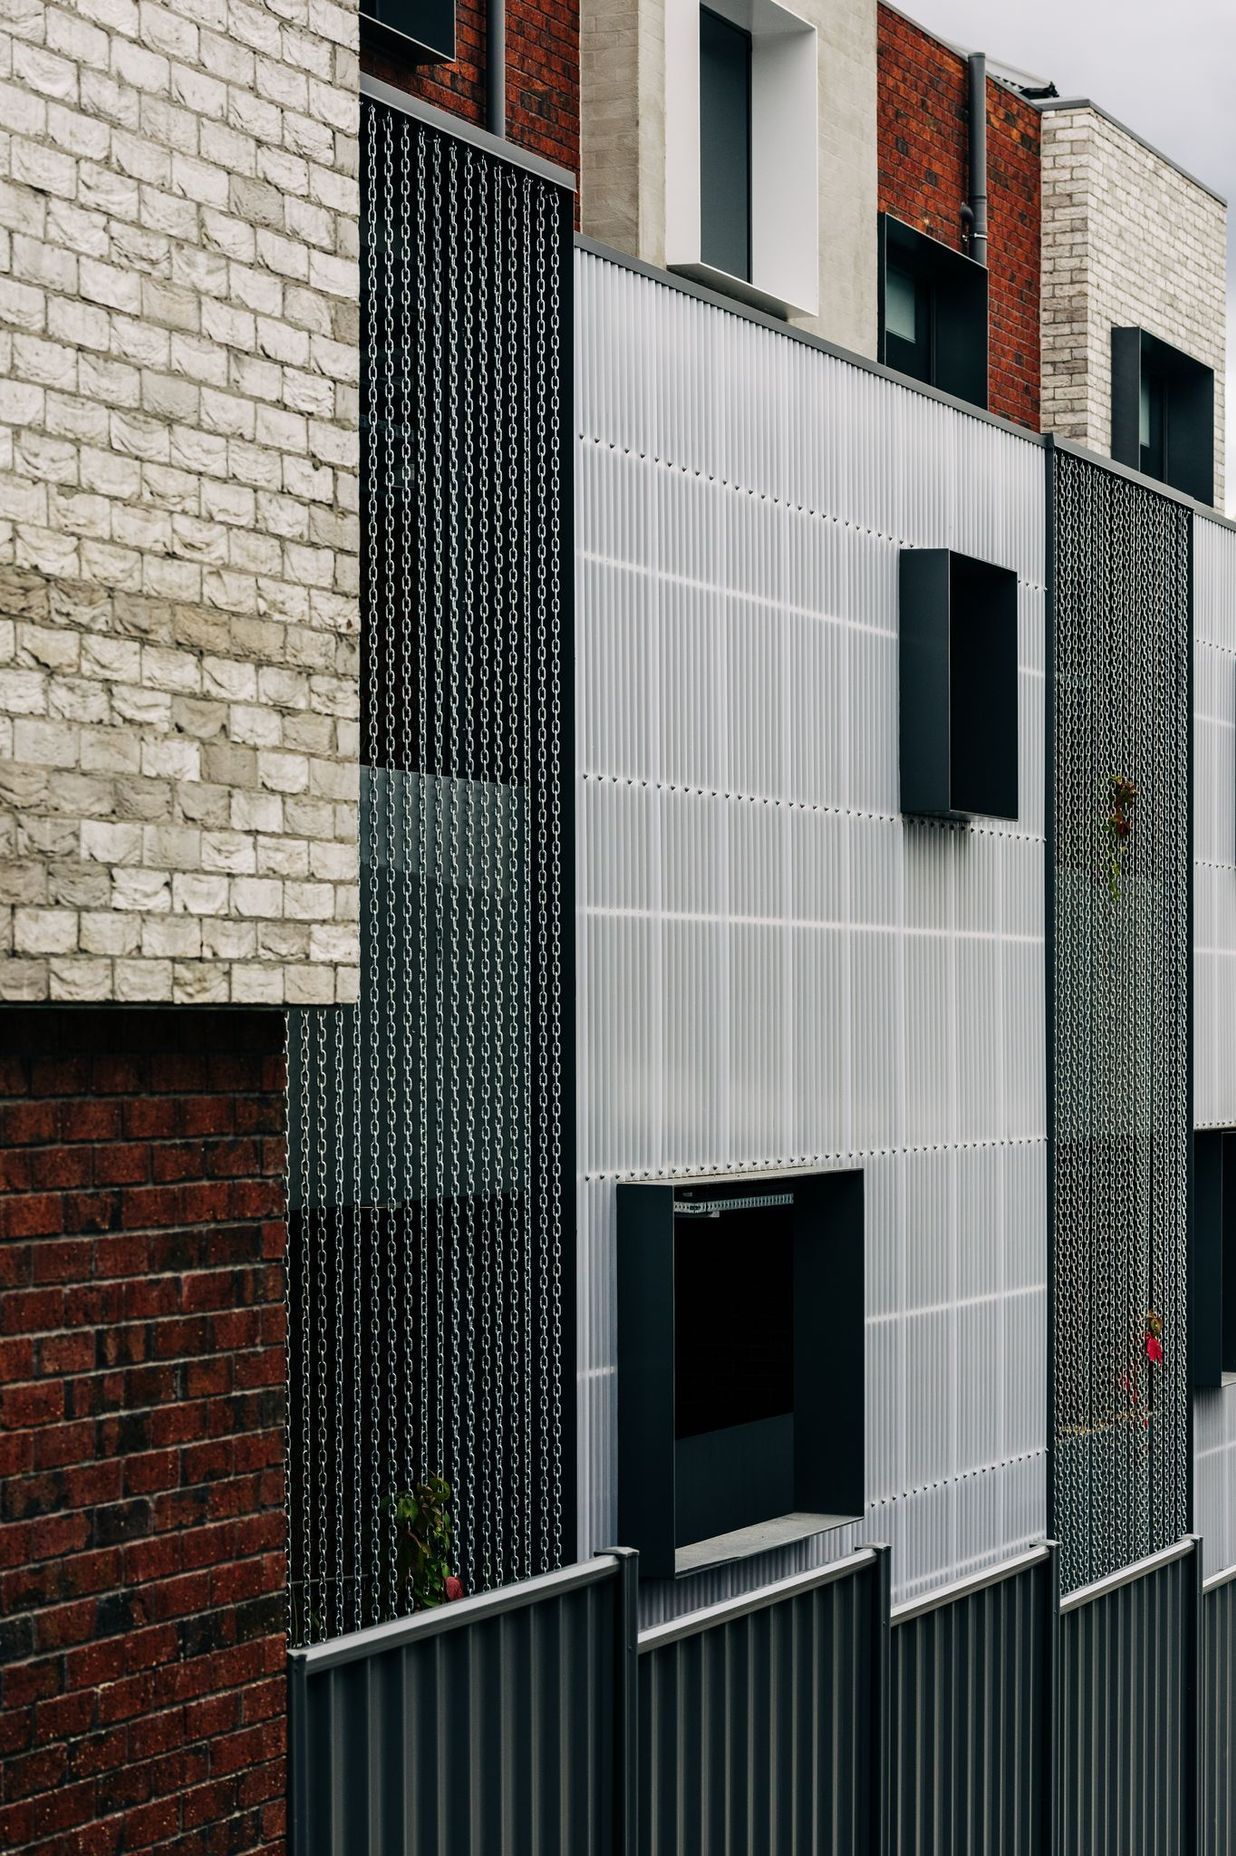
<point>1163,413</point>
<point>427,25</point>
<point>933,312</point>
<point>741,196</point>
<point>725,145</point>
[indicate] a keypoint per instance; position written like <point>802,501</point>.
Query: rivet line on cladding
<point>734,919</point>
<point>959,828</point>
<point>772,1163</point>
<point>765,496</point>
<point>956,1476</point>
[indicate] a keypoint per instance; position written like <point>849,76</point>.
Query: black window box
<point>1163,413</point>
<point>1212,1337</point>
<point>425,28</point>
<point>740,1364</point>
<point>958,686</point>
<point>933,312</point>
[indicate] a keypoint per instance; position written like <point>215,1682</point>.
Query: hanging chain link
<point>1121,647</point>
<point>425,1312</point>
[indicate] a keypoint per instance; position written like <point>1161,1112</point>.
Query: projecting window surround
<point>428,26</point>
<point>1163,413</point>
<point>741,195</point>
<point>740,1365</point>
<point>933,312</point>
<point>1212,1275</point>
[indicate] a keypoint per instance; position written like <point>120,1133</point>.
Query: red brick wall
<point>142,1573</point>
<point>542,74</point>
<point>923,131</point>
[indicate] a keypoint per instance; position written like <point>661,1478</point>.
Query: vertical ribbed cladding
<point>490,1736</point>
<point>1214,967</point>
<point>775,966</point>
<point>1121,966</point>
<point>969,1706</point>
<point>1125,1765</point>
<point>756,1734</point>
<point>1218,1721</point>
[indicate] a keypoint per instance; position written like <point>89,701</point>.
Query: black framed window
<point>1163,412</point>
<point>428,25</point>
<point>933,312</point>
<point>740,1364</point>
<point>725,145</point>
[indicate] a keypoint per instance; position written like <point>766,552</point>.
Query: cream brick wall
<point>1128,241</point>
<point>178,500</point>
<point>623,87</point>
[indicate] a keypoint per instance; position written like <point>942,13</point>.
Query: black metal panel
<point>970,1722</point>
<point>427,27</point>
<point>665,1480</point>
<point>1163,412</point>
<point>949,347</point>
<point>1217,1722</point>
<point>499,1726</point>
<point>760,1733</point>
<point>1126,1766</point>
<point>1120,1015</point>
<point>957,673</point>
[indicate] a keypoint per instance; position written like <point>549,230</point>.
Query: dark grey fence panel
<point>1218,1720</point>
<point>760,1721</point>
<point>1126,1758</point>
<point>970,1699</point>
<point>498,1726</point>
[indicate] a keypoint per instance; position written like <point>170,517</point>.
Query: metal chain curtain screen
<point>1120,951</point>
<point>431,1307</point>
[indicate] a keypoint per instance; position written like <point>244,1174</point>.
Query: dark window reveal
<point>733,1325</point>
<point>429,25</point>
<point>933,312</point>
<point>725,145</point>
<point>1163,413</point>
<point>1212,1337</point>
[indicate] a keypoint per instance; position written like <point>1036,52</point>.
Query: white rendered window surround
<point>784,140</point>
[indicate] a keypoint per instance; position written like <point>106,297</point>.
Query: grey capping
<point>394,99</point>
<point>1044,104</point>
<point>730,1608</point>
<point>966,1588</point>
<point>1128,1575</point>
<point>359,1644</point>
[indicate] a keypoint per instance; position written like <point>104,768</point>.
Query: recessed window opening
<point>725,145</point>
<point>1163,412</point>
<point>933,312</point>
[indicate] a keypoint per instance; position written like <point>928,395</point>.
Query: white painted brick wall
<point>1128,242</point>
<point>179,371</point>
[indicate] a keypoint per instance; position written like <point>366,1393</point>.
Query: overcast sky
<point>1166,71</point>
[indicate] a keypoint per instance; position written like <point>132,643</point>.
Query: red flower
<point>1154,1350</point>
<point>452,1587</point>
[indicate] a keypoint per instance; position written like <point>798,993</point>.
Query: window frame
<point>1187,386</point>
<point>951,298</point>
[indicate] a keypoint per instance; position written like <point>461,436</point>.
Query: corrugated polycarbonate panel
<point>495,1735</point>
<point>756,1735</point>
<point>969,1687</point>
<point>1214,966</point>
<point>1214,846</point>
<point>1125,1768</point>
<point>1218,1721</point>
<point>775,967</point>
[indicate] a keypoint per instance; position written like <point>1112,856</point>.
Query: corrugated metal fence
<point>805,1719</point>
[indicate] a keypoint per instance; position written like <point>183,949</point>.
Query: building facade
<point>616,736</point>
